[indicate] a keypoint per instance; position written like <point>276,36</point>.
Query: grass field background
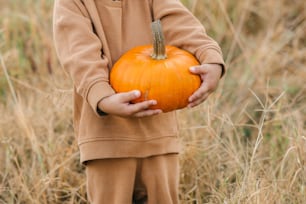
<point>246,144</point>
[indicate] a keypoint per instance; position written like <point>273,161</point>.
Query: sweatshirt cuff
<point>212,56</point>
<point>97,92</point>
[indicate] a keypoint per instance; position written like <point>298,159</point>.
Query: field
<point>246,144</point>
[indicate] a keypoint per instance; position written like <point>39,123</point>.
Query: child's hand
<point>210,75</point>
<point>119,104</point>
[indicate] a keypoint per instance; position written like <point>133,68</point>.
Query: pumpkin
<point>159,72</point>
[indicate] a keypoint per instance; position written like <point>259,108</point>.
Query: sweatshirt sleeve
<point>80,51</point>
<point>182,29</point>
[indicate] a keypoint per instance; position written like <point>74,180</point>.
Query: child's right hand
<point>119,104</point>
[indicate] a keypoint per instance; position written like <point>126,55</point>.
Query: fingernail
<point>159,111</point>
<point>190,106</point>
<point>153,102</point>
<point>193,69</point>
<point>137,93</point>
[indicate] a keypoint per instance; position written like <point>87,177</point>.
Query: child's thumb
<point>198,69</point>
<point>194,69</point>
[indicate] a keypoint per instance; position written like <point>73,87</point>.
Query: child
<point>130,152</point>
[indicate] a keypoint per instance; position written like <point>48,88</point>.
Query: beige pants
<point>152,180</point>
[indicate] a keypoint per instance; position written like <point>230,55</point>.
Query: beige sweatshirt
<point>90,36</point>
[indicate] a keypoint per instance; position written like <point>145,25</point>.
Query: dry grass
<point>246,144</point>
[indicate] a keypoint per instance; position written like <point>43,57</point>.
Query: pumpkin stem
<point>159,52</point>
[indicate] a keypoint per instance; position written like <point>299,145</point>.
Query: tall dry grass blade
<point>194,5</point>
<point>249,167</point>
<point>234,31</point>
<point>12,89</point>
<point>238,32</point>
<point>27,129</point>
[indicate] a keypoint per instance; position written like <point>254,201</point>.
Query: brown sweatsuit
<point>90,36</point>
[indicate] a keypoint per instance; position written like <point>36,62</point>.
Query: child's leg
<point>160,175</point>
<point>152,180</point>
<point>111,181</point>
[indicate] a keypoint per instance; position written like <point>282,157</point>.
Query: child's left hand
<point>210,75</point>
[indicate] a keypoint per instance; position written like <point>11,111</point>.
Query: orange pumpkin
<point>160,72</point>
